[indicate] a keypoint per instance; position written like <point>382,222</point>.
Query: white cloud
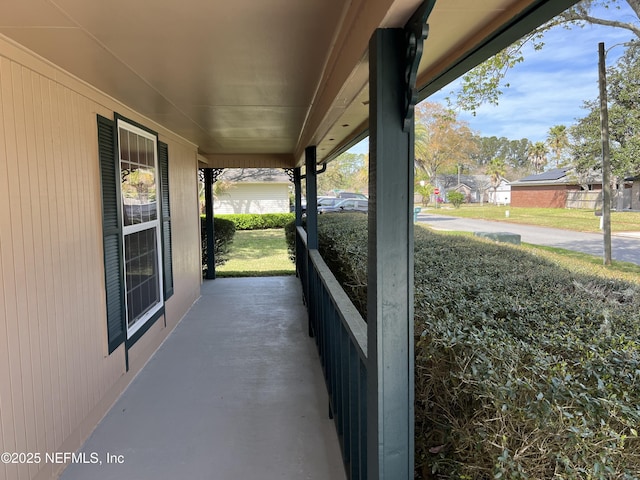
<point>550,86</point>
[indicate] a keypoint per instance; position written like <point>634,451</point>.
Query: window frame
<point>158,308</point>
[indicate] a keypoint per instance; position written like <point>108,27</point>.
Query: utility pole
<point>606,160</point>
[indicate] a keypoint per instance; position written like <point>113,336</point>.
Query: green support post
<point>394,55</point>
<point>208,203</point>
<point>311,177</point>
<point>297,185</point>
<point>312,228</point>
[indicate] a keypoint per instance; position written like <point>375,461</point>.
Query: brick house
<point>547,190</point>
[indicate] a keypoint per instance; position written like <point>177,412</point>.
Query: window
<point>136,228</point>
<point>138,162</point>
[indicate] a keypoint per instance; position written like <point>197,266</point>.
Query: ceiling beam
<point>268,160</point>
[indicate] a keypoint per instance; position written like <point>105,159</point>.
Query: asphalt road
<point>624,247</point>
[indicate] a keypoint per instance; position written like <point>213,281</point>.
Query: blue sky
<point>549,87</point>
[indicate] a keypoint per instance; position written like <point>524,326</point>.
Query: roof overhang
<point>254,83</point>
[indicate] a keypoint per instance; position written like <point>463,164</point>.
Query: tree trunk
<point>635,5</point>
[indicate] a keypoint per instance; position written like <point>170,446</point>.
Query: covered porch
<point>92,93</point>
<point>236,391</point>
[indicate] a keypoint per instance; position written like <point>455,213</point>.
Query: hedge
<point>290,238</point>
<point>524,370</point>
<point>224,232</point>
<point>258,221</point>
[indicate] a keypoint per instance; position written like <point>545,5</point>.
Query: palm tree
<point>422,186</point>
<point>496,169</point>
<point>558,141</point>
<point>421,148</point>
<point>538,156</point>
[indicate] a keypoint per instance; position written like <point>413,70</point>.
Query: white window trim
<point>129,229</point>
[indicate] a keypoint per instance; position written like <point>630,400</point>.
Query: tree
<point>514,152</point>
<point>558,142</point>
<point>347,172</point>
<point>496,170</point>
<point>422,186</point>
<point>585,144</point>
<point>484,83</point>
<point>139,184</point>
<point>624,112</point>
<point>538,156</point>
<point>517,153</point>
<point>442,141</point>
<point>220,188</point>
<point>623,92</point>
<point>488,148</point>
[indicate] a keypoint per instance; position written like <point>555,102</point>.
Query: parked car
<point>351,195</point>
<point>347,205</point>
<point>303,204</point>
<point>328,201</point>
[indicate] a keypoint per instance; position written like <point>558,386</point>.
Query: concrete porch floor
<point>235,393</point>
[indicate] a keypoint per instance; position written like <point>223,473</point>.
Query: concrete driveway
<point>624,247</point>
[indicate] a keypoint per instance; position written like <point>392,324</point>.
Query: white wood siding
<point>254,198</point>
<point>56,377</point>
<point>502,194</point>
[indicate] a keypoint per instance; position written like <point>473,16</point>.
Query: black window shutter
<point>112,233</point>
<point>165,211</point>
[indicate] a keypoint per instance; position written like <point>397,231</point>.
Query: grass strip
<point>257,253</point>
<point>568,219</point>
<point>587,264</point>
<point>577,262</point>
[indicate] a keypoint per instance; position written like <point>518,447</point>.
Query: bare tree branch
<point>483,84</point>
<point>573,17</point>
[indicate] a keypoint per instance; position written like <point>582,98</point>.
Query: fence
<point>592,199</point>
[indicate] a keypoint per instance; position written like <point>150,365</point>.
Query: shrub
<point>258,221</point>
<point>334,231</point>
<point>290,237</point>
<point>224,232</point>
<point>524,370</point>
<point>456,198</point>
<point>342,241</point>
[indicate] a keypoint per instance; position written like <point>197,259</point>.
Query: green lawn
<point>587,264</point>
<point>257,253</point>
<point>579,220</point>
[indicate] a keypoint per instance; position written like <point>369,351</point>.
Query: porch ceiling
<point>249,78</point>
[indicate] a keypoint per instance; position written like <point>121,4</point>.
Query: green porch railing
<point>341,338</point>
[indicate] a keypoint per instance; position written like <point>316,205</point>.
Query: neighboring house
<point>476,188</point>
<point>551,189</point>
<point>253,190</point>
<point>634,192</point>
<point>563,188</point>
<point>502,194</point>
<point>464,189</point>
